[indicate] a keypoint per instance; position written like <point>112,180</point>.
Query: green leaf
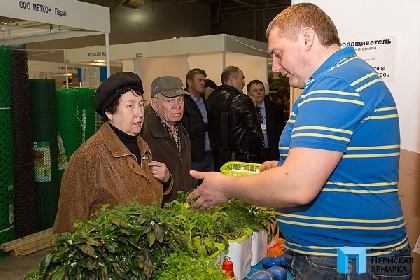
<point>147,264</point>
<point>58,274</point>
<point>159,233</point>
<point>104,273</point>
<point>111,246</point>
<point>88,250</point>
<point>45,262</point>
<point>151,238</point>
<point>119,272</point>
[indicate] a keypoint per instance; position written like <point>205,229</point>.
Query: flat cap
<point>111,89</point>
<point>168,86</point>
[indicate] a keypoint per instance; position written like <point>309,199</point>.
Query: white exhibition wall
<point>177,56</point>
<point>359,21</point>
<point>50,70</point>
<point>148,68</point>
<point>210,62</point>
<point>254,67</point>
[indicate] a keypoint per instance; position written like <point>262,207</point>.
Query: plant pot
<point>259,246</point>
<point>240,253</point>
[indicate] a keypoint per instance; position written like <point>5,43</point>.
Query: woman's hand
<point>160,171</point>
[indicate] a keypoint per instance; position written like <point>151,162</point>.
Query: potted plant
<point>138,242</point>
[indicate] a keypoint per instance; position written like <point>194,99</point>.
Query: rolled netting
<point>76,119</point>
<point>45,150</point>
<point>24,183</point>
<point>7,232</point>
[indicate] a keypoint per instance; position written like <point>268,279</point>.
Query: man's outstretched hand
<point>212,191</point>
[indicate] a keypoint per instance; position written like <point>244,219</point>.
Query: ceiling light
<point>134,4</point>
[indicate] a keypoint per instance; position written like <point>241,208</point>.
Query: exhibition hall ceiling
<point>225,6</point>
<point>245,18</point>
<point>149,20</point>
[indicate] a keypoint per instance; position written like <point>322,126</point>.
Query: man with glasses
<point>164,133</point>
<point>271,116</point>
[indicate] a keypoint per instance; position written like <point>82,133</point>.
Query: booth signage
<point>96,54</point>
<point>380,53</point>
<point>36,7</point>
<point>74,14</point>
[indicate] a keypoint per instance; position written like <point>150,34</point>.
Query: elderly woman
<point>115,165</point>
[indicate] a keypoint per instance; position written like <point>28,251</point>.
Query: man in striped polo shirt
<point>336,183</point>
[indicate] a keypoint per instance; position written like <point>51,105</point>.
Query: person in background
<point>234,129</point>
<point>165,134</point>
<point>336,184</point>
<point>195,122</point>
<point>209,86</point>
<point>271,116</point>
<point>115,166</point>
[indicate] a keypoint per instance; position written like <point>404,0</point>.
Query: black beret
<point>111,89</point>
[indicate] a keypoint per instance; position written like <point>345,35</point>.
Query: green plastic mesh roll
<point>76,120</point>
<point>6,150</point>
<point>24,184</point>
<point>45,149</point>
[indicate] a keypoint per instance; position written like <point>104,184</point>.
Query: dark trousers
<point>206,165</point>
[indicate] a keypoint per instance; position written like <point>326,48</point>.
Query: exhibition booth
<point>24,22</point>
<point>30,170</point>
<point>53,19</point>
<point>177,56</point>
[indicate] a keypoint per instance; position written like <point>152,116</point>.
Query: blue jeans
<point>306,267</point>
<point>206,165</point>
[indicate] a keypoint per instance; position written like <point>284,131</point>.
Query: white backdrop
<point>148,68</point>
<point>178,55</point>
<point>361,20</point>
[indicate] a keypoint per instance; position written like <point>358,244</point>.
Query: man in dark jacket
<point>164,133</point>
<point>271,115</point>
<point>195,122</point>
<point>233,125</point>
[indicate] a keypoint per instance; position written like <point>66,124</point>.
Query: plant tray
<point>237,168</point>
<point>29,244</point>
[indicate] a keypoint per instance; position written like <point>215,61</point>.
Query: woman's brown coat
<point>103,171</point>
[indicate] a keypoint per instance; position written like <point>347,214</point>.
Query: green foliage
<point>148,242</point>
<point>254,217</point>
<point>197,232</point>
<point>120,243</point>
<point>184,267</point>
<point>33,275</point>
